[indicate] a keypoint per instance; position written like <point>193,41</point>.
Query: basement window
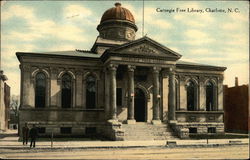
<point>65,130</point>
<point>41,130</point>
<point>90,130</point>
<point>192,130</point>
<point>211,130</point>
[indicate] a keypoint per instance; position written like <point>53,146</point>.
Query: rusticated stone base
<point>113,130</point>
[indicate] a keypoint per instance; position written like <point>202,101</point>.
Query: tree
<point>14,104</point>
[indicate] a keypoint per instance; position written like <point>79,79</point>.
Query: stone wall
<point>52,120</point>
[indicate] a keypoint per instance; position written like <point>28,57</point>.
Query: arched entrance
<point>140,105</point>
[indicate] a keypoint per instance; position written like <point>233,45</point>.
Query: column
<point>171,96</point>
<point>113,110</point>
<point>107,88</point>
<point>131,89</point>
<point>156,96</point>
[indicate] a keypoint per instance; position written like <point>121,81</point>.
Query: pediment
<point>145,47</point>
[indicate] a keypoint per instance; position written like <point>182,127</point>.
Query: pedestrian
<point>33,136</point>
<point>25,130</point>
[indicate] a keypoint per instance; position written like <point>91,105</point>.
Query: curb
<point>117,147</point>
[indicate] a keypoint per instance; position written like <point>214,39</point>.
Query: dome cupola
<point>117,23</point>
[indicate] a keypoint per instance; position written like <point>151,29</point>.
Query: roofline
<point>201,67</point>
<point>149,39</point>
<point>18,54</point>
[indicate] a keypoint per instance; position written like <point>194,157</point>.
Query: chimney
<point>236,82</point>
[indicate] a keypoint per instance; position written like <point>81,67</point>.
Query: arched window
<point>209,96</point>
<point>66,91</point>
<point>40,90</point>
<point>90,92</point>
<point>191,96</point>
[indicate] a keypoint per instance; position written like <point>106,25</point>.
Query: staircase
<point>146,131</point>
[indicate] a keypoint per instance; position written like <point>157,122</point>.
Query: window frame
<point>86,92</point>
<point>214,96</point>
<point>71,90</point>
<point>45,89</point>
<point>195,95</point>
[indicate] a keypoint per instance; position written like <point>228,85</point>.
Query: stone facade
<point>119,81</point>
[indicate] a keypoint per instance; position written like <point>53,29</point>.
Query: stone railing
<point>181,132</point>
<point>114,130</point>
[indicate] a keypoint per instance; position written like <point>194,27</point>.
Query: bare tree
<point>14,104</point>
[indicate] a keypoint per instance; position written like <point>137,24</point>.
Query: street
<point>223,152</point>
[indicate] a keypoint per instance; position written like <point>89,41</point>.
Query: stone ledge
<point>200,112</point>
<point>155,122</point>
<point>130,121</point>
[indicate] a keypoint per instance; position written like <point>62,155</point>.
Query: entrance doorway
<point>140,105</point>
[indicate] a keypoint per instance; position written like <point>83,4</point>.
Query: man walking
<point>33,136</point>
<point>25,130</point>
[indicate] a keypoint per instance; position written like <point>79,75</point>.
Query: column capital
<point>171,70</point>
<point>131,68</point>
<point>156,69</point>
<point>112,67</point>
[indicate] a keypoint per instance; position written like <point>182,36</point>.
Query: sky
<point>214,38</point>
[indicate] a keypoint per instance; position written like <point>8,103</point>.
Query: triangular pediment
<point>145,47</point>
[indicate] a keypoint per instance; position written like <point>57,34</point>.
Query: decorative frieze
<point>144,49</point>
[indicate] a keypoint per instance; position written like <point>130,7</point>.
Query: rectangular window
<point>65,130</point>
<point>41,130</point>
<point>192,130</point>
<point>90,130</point>
<point>119,96</point>
<point>211,130</point>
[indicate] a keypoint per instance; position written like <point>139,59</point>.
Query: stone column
<point>113,110</point>
<point>107,95</point>
<point>131,89</point>
<point>156,96</point>
<point>171,96</point>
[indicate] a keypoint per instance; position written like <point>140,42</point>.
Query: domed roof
<point>118,13</point>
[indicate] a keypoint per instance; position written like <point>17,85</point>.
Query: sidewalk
<point>11,142</point>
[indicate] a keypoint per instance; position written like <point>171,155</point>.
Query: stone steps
<point>145,131</point>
